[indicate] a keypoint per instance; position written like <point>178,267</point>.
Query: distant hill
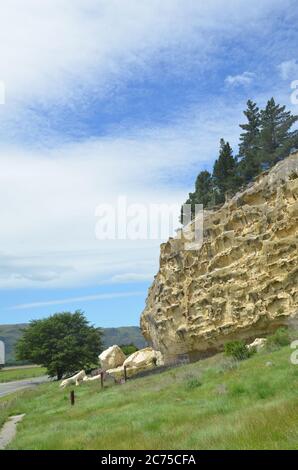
<point>122,335</point>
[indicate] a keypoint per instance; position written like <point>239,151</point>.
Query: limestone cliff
<point>241,283</point>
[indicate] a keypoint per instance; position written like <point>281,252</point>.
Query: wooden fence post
<point>125,374</point>
<point>72,397</point>
<point>101,379</point>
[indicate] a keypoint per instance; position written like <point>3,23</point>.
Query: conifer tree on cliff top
<point>276,139</point>
<point>224,171</point>
<point>249,164</point>
<point>267,139</point>
<point>203,194</point>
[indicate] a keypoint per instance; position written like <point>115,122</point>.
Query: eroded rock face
<point>112,357</point>
<point>241,283</point>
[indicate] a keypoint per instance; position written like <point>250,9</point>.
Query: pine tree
<point>224,172</point>
<point>276,140</point>
<point>249,165</point>
<point>267,138</point>
<point>203,193</point>
<point>204,189</point>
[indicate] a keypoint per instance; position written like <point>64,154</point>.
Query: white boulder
<point>112,357</point>
<point>144,359</point>
<point>258,344</point>
<point>159,359</point>
<point>117,373</point>
<point>74,380</point>
<point>92,378</point>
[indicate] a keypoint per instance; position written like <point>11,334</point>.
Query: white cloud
<point>85,298</point>
<point>131,277</point>
<point>59,49</point>
<point>48,198</point>
<point>243,79</point>
<point>289,69</point>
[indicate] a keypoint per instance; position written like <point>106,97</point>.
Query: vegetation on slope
<point>211,404</point>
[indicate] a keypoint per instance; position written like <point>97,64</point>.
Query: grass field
<point>21,373</point>
<point>206,405</point>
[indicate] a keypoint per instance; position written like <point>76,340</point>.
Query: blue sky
<point>118,97</point>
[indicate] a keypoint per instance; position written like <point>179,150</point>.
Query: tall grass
<point>196,406</point>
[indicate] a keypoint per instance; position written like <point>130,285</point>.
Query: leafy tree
<point>276,139</point>
<point>249,165</point>
<point>63,343</point>
<point>224,172</point>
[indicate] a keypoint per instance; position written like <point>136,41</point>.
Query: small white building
<point>2,353</point>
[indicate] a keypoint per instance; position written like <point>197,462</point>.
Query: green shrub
<point>238,350</point>
<point>263,390</point>
<point>280,338</point>
<point>192,382</point>
<point>237,389</point>
<point>128,349</point>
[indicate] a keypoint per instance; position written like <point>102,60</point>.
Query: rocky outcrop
<point>241,283</point>
<point>112,357</point>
